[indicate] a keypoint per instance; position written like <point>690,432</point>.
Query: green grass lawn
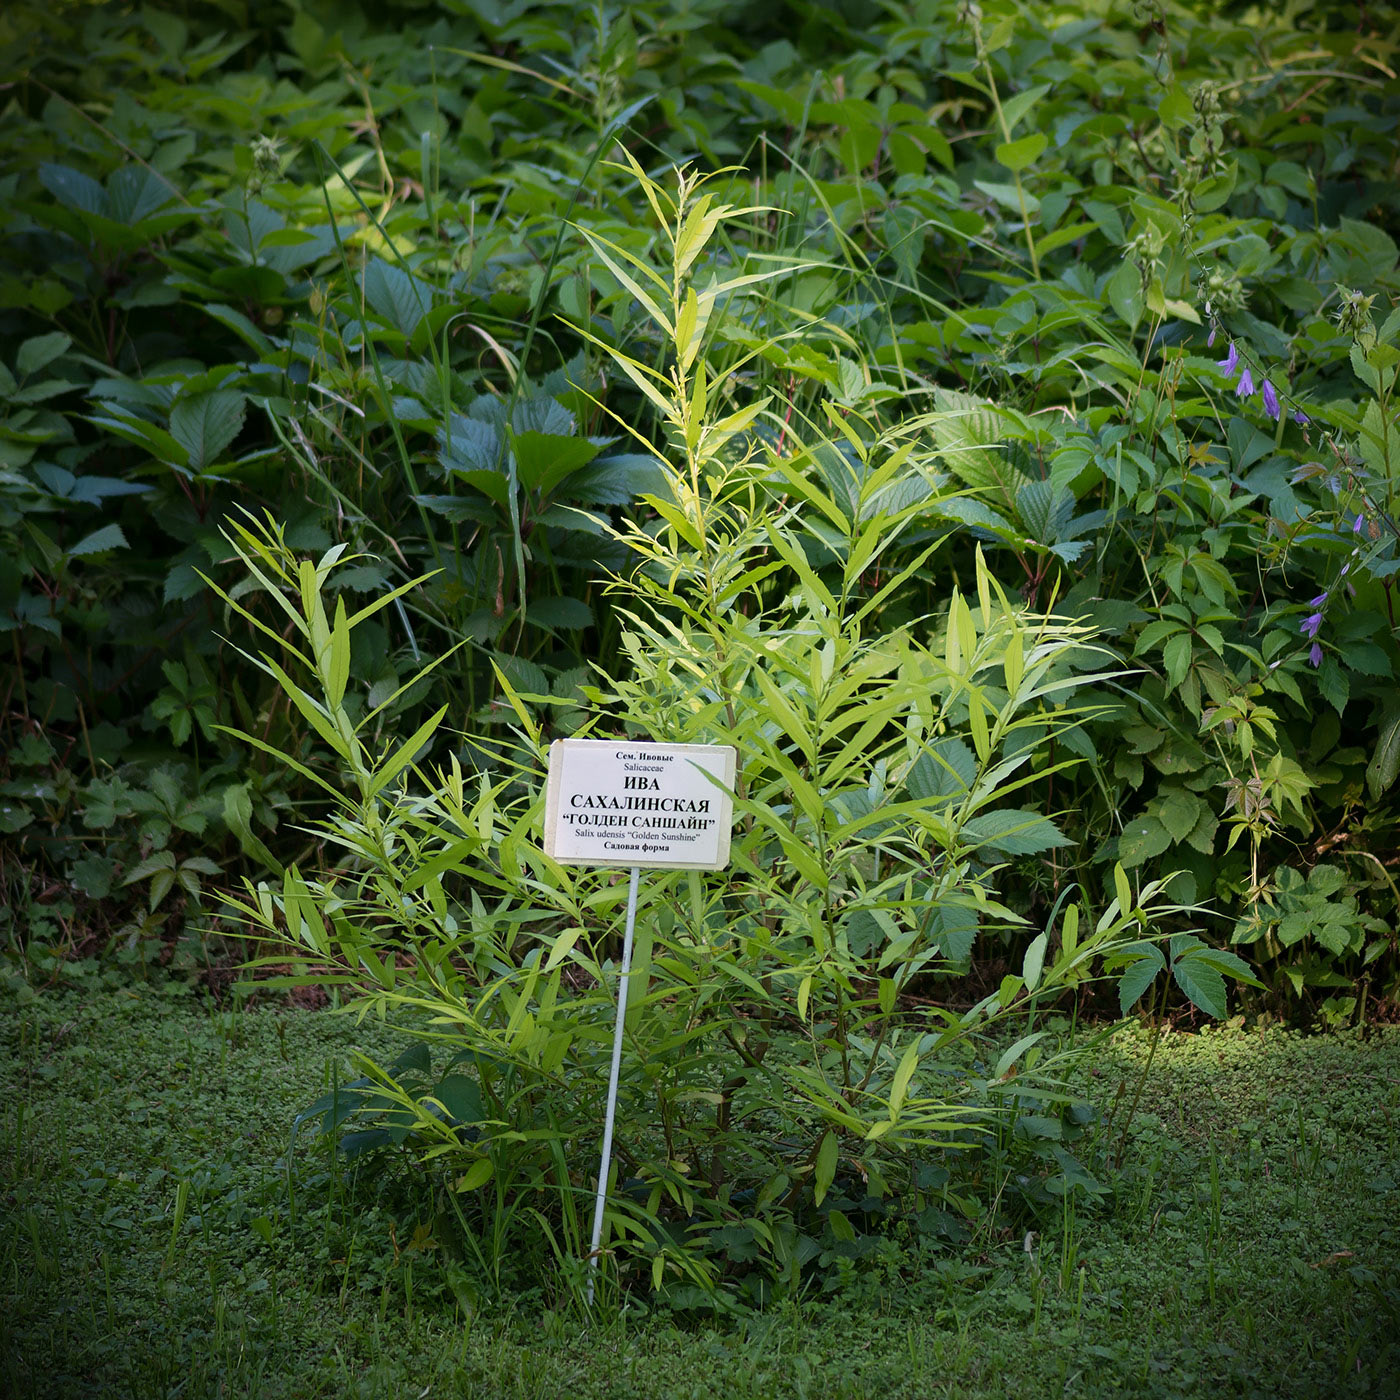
<point>152,1248</point>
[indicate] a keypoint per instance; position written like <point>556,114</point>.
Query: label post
<point>638,806</point>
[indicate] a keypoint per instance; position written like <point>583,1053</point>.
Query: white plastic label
<point>663,806</point>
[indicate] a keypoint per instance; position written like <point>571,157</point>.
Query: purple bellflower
<point>1246,385</point>
<point>1270,401</point>
<point>1315,654</point>
<point>1301,418</point>
<point>1311,624</point>
<point>1231,360</point>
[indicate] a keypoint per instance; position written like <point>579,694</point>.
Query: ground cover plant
<point>1248,1247</point>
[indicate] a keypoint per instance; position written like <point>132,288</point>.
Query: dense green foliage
<point>162,1247</point>
<point>360,274</point>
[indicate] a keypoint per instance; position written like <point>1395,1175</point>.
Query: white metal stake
<point>600,1204</point>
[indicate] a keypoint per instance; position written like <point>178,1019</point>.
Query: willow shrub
<point>782,1083</point>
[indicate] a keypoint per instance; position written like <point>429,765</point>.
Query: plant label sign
<point>661,806</point>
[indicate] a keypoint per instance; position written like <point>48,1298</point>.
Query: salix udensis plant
<point>773,1050</point>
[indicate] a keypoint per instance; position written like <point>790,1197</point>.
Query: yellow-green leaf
<point>900,1085</point>
<point>825,1170</point>
<point>338,673</point>
<point>605,251</point>
<point>476,1176</point>
<point>406,752</point>
<point>977,723</point>
<point>1017,155</point>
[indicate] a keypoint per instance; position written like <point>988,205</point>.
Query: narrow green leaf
<point>406,752</point>
<point>338,674</point>
<point>1012,1054</point>
<point>238,817</point>
<point>1384,766</point>
<point>605,251</point>
<point>1014,108</point>
<point>312,711</point>
<point>477,1175</point>
<point>1035,962</point>
<point>370,609</point>
<point>899,1086</point>
<point>295,764</point>
<point>1123,890</point>
<point>824,1172</point>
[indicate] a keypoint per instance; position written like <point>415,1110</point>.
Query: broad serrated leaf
<point>1336,928</point>
<point>617,480</point>
<point>93,490</point>
<point>543,460</point>
<point>564,614</point>
<point>1015,832</point>
<point>240,325</point>
<point>525,677</point>
<point>1333,684</point>
<point>398,299</point>
<point>92,874</point>
<point>1044,510</point>
<point>1179,811</point>
<point>868,930</point>
<point>72,188</point>
<point>969,432</point>
<point>1176,657</point>
<point>181,583</point>
<point>1142,838</point>
<point>1138,977</point>
<point>1380,447</point>
<point>108,537</point>
<point>970,511</point>
<point>1124,292</point>
<point>204,425</point>
<point>1202,836</point>
<point>953,929</point>
<point>134,193</point>
<point>1202,983</point>
<point>41,350</point>
<point>947,769</point>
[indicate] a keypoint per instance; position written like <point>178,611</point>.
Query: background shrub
<point>352,272</point>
